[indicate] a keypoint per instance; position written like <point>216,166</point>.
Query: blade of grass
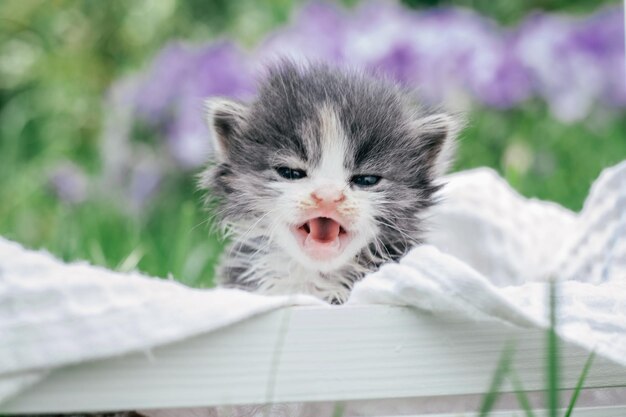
<point>504,364</point>
<point>339,410</point>
<point>96,254</point>
<point>182,243</point>
<point>552,391</point>
<point>579,384</point>
<point>131,261</point>
<point>520,393</point>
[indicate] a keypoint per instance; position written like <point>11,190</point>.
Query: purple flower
<point>181,78</point>
<point>575,63</point>
<point>161,84</point>
<point>217,71</point>
<point>143,180</point>
<point>69,182</point>
<point>444,53</point>
<point>380,39</point>
<point>601,39</point>
<point>317,34</point>
<point>449,56</point>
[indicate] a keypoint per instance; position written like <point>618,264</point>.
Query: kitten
<point>321,178</point>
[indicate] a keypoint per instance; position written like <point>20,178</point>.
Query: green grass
<point>540,156</point>
<point>51,111</point>
<point>505,370</point>
<point>172,232</point>
<point>553,357</point>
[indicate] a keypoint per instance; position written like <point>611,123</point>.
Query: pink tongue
<point>323,229</point>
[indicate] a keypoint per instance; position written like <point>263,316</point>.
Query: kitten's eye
<point>291,173</point>
<point>365,180</point>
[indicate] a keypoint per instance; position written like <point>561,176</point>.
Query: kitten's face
<point>326,166</point>
<point>325,207</point>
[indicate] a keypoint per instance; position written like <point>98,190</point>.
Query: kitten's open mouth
<point>322,238</point>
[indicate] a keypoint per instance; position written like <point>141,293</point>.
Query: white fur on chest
<point>276,273</point>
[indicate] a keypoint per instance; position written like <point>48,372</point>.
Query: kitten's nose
<point>328,195</point>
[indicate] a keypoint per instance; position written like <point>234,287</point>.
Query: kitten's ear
<point>225,118</point>
<point>437,137</point>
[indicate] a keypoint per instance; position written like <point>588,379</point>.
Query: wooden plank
<point>618,411</point>
<point>310,354</point>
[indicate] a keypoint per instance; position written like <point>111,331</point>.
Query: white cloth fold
<point>54,314</point>
<point>489,256</point>
<point>492,253</point>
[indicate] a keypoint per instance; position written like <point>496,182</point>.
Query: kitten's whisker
<point>407,238</point>
<point>241,240</point>
<point>269,235</point>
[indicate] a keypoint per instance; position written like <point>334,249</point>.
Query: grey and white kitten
<point>321,178</point>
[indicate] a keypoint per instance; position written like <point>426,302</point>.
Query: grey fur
<point>388,133</point>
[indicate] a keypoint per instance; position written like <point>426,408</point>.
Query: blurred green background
<point>57,59</point>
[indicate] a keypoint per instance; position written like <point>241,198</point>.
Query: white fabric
<point>53,314</point>
<point>491,253</point>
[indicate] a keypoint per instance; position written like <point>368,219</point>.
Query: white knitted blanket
<point>490,255</point>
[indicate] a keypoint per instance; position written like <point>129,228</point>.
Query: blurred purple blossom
<point>169,97</point>
<point>143,180</point>
<point>451,56</point>
<point>575,63</point>
<point>69,182</point>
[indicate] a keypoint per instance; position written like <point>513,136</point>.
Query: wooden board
<point>578,412</point>
<point>310,354</point>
